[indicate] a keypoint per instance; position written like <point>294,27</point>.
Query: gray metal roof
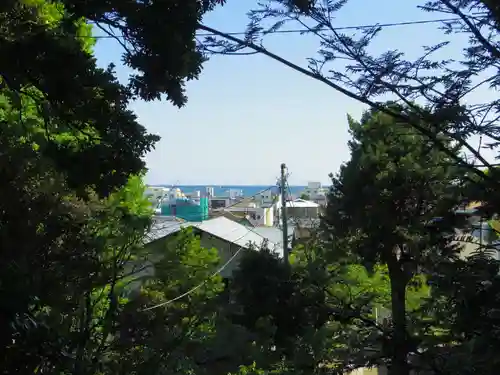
<point>163,228</point>
<point>273,234</point>
<point>221,227</point>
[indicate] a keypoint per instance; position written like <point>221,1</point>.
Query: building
<point>303,230</point>
<point>210,191</point>
<point>221,233</point>
<point>155,194</point>
<point>220,202</point>
<point>257,216</point>
<point>186,208</point>
<point>267,197</point>
<point>234,216</point>
<point>174,202</point>
<point>299,209</point>
<point>254,211</point>
<point>315,193</point>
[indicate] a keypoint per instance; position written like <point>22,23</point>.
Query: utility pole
<point>284,218</point>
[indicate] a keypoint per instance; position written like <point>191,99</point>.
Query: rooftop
<point>301,203</point>
<point>221,227</point>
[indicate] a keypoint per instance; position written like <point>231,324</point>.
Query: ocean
<point>248,190</point>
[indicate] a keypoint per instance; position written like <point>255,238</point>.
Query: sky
<point>248,114</point>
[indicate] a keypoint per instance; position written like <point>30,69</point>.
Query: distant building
<point>220,202</point>
<point>173,202</point>
<point>235,193</point>
<point>155,194</point>
<point>186,209</point>
<point>315,193</point>
<point>265,197</point>
<point>256,214</point>
<point>299,209</point>
<point>210,191</point>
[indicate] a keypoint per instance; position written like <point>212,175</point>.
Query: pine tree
<point>383,210</point>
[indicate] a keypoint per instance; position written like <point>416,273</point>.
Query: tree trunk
<point>399,361</point>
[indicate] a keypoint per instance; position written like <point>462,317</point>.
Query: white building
<point>316,192</point>
<point>156,195</point>
<point>265,197</point>
<point>299,209</point>
<point>210,191</point>
<point>256,215</point>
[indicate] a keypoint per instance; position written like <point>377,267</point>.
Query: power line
<point>219,270</point>
<point>236,203</point>
<point>305,30</point>
<point>173,223</point>
<point>343,28</point>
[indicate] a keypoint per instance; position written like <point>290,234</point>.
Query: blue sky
<point>248,114</point>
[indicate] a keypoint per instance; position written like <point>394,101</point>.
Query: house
<point>256,214</point>
<point>316,193</point>
<point>221,233</point>
<point>299,209</point>
<point>239,217</point>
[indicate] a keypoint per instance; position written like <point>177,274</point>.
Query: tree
<point>279,329</point>
<point>171,324</point>
<point>448,88</point>
<point>69,145</point>
<point>73,311</point>
<point>345,63</point>
<point>305,196</point>
<point>48,45</point>
<point>314,317</point>
<point>60,286</point>
<point>383,207</point>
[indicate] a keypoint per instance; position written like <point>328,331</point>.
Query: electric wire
<point>219,270</point>
<point>305,30</point>
<point>225,208</point>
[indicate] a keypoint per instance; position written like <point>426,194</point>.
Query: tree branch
<point>427,133</point>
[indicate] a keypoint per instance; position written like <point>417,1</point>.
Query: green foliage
<point>158,331</point>
<point>310,316</point>
<point>392,205</point>
<point>184,263</point>
<point>76,311</point>
<point>286,313</point>
<point>63,280</point>
<point>73,212</point>
<point>51,70</point>
<point>390,191</point>
<point>465,307</point>
<point>305,196</point>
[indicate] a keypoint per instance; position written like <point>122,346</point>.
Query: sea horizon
<point>219,190</point>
